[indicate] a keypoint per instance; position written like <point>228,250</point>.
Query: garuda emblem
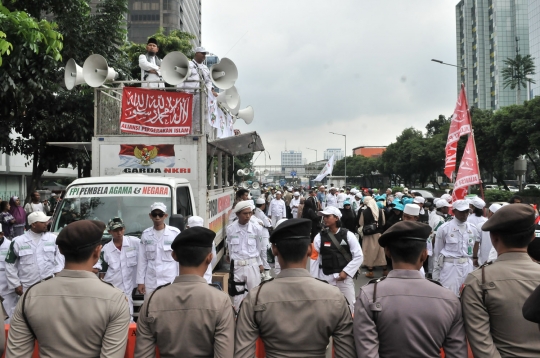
<point>145,156</point>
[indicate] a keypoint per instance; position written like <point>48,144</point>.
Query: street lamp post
<point>344,135</point>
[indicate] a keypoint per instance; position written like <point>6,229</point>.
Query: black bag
<point>369,229</point>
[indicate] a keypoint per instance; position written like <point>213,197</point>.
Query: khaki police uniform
<point>188,318</point>
<point>295,315</point>
<point>495,325</point>
<point>74,314</point>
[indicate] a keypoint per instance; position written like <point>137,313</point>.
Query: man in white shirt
<point>36,204</point>
<point>331,199</point>
<point>341,197</point>
<point>482,251</point>
<point>295,203</point>
<point>118,260</point>
<point>197,221</point>
<point>265,243</point>
<point>156,266</point>
<point>150,65</point>
<point>277,209</point>
<point>34,256</point>
<point>198,71</point>
<point>9,296</point>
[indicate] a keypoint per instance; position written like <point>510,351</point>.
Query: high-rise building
<point>336,152</point>
<point>534,44</point>
<point>145,17</point>
<point>291,158</point>
<point>487,33</point>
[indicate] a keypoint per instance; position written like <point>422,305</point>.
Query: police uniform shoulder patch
<point>108,283</point>
<point>318,279</point>
<point>376,280</point>
<point>487,264</point>
<point>435,282</point>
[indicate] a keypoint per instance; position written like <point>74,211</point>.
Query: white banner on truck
<point>97,190</point>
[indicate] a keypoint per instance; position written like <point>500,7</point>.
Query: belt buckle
<point>463,260</point>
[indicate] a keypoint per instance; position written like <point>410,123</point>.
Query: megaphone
<point>246,114</point>
<point>266,172</point>
<point>96,71</point>
<point>175,68</point>
<point>244,185</point>
<point>224,73</point>
<point>229,98</point>
<point>240,173</point>
<point>255,185</point>
<point>73,74</point>
<point>257,173</point>
<point>246,171</point>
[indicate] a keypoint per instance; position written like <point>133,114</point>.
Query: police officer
<point>453,249</point>
<point>340,254</point>
<point>150,65</point>
<point>404,314</point>
<point>34,256</point>
<point>494,295</point>
<point>267,226</point>
<point>156,265</point>
<point>9,296</point>
<point>244,245</point>
<point>118,260</point>
<point>294,314</point>
<point>187,318</point>
<point>74,313</point>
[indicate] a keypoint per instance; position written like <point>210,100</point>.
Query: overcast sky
<point>357,67</point>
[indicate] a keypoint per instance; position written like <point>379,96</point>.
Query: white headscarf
<point>372,205</point>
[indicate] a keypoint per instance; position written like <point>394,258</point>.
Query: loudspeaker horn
<point>266,172</point>
<point>229,98</point>
<point>255,185</point>
<point>240,173</point>
<point>257,173</point>
<point>175,68</point>
<point>246,171</point>
<point>224,73</point>
<point>96,71</point>
<point>246,114</point>
<point>73,74</point>
<point>244,185</point>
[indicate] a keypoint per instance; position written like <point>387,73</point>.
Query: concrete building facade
<point>336,152</point>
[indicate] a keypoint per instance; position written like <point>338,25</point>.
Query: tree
<point>516,72</point>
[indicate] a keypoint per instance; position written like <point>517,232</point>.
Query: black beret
<point>152,40</point>
<point>534,249</point>
<point>80,235</point>
<point>406,230</point>
<point>513,218</point>
<point>292,229</point>
<point>197,236</point>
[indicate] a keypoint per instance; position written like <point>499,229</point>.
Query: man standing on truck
<point>34,256</point>
<point>156,266</point>
<point>118,260</point>
<point>150,65</point>
<point>244,245</point>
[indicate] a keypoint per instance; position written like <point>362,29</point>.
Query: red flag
<point>468,173</point>
<point>460,125</point>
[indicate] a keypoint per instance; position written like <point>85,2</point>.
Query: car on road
<point>426,194</point>
<point>532,186</point>
<point>513,188</point>
<point>492,187</point>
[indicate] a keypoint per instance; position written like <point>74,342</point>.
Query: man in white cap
<point>453,249</point>
<point>197,221</point>
<point>476,206</point>
<point>277,209</point>
<point>244,245</point>
<point>34,256</point>
<point>411,212</point>
<point>483,246</point>
<point>156,266</point>
<point>340,254</point>
<point>423,214</point>
<point>295,203</point>
<point>260,205</point>
<point>331,199</point>
<point>9,296</point>
<point>198,71</point>
<point>436,219</point>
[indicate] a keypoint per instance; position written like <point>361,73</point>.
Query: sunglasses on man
<point>157,214</point>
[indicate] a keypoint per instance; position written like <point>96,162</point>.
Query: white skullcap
<point>278,192</point>
<point>419,200</point>
<point>242,205</point>
<point>412,209</point>
<point>280,222</point>
<point>194,221</point>
<point>399,195</point>
<point>494,207</point>
<point>478,203</point>
<point>296,193</point>
<point>441,203</point>
<point>447,197</point>
<point>260,201</point>
<point>358,195</point>
<point>460,205</point>
<point>289,189</point>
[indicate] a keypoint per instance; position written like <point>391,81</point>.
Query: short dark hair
<point>241,192</point>
<point>406,251</point>
<point>478,212</point>
<point>78,256</point>
<point>293,250</point>
<point>513,199</point>
<point>3,205</point>
<point>310,191</point>
<point>338,222</point>
<point>517,240</point>
<point>192,256</point>
<point>33,195</point>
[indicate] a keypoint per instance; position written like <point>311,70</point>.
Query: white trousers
<point>452,275</point>
<point>265,244</point>
<point>347,288</point>
<point>252,278</point>
<point>10,302</point>
<point>275,219</point>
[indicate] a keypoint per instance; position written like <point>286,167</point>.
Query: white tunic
<point>277,208</point>
<point>145,66</point>
<point>294,207</point>
<point>194,69</point>
<point>331,200</point>
<point>243,241</point>
<point>122,264</point>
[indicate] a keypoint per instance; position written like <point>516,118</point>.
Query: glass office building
<point>291,158</point>
<point>336,152</point>
<point>534,44</point>
<point>487,33</point>
<point>145,17</point>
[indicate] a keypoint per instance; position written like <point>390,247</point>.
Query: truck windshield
<point>131,202</point>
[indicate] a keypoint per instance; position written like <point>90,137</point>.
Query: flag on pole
<point>459,125</point>
<point>468,173</point>
<point>327,170</point>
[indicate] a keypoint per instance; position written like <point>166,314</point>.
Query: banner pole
<point>478,165</point>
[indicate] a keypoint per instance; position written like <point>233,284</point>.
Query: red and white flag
<point>460,125</point>
<point>146,156</point>
<point>468,173</point>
